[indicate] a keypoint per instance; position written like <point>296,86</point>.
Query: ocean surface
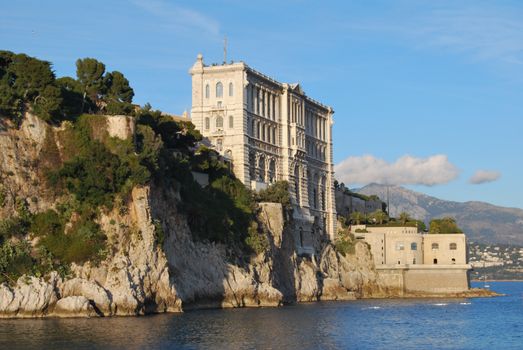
<point>485,323</point>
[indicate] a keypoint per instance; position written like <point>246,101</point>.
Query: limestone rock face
<point>75,306</point>
<point>347,277</point>
<point>19,165</point>
<point>93,292</point>
<point>120,126</point>
<point>30,297</point>
<point>136,279</point>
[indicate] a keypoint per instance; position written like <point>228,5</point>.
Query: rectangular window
<point>400,246</point>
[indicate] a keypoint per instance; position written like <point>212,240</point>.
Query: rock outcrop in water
<point>142,275</point>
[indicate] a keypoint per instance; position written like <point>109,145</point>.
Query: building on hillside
<point>270,131</point>
<point>418,262</point>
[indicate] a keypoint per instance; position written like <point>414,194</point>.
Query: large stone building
<point>270,131</point>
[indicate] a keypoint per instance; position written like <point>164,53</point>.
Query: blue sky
<point>426,93</point>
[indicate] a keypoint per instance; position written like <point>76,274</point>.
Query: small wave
<point>372,308</point>
<point>440,304</point>
<point>465,303</point>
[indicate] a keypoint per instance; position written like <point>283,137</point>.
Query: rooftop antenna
<point>224,50</point>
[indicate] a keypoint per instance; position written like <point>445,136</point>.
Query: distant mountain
<point>482,222</point>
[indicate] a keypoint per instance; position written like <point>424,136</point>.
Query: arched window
<point>258,130</point>
<point>207,123</point>
<point>272,171</point>
<point>323,183</point>
<point>253,127</point>
<point>219,89</point>
<point>231,90</point>
<point>207,91</point>
<point>274,135</point>
<point>297,183</point>
<point>435,246</point>
<point>261,169</point>
<point>453,246</point>
<point>252,166</point>
<point>219,122</point>
<point>231,122</point>
<point>414,246</point>
<point>263,132</point>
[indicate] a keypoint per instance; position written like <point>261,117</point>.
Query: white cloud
<point>484,176</point>
<point>179,16</point>
<point>407,170</point>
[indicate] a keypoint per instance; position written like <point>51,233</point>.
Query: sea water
<point>482,323</point>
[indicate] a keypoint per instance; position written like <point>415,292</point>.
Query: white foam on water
<point>440,304</point>
<point>372,308</point>
<point>465,303</point>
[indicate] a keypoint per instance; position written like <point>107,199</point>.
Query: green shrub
<point>444,225</point>
<point>256,242</point>
<point>345,243</point>
<point>345,247</point>
<point>99,170</point>
<point>159,233</point>
<point>47,222</point>
<point>361,230</point>
<point>278,192</point>
<point>3,195</point>
<point>84,241</point>
<point>15,260</point>
<point>10,227</point>
<point>118,108</point>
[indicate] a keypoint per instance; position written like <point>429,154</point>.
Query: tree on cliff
<point>27,81</point>
<point>72,92</point>
<point>110,92</point>
<point>89,72</point>
<point>118,88</point>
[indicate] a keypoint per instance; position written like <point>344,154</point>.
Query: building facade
<point>406,246</point>
<point>413,262</point>
<point>270,131</point>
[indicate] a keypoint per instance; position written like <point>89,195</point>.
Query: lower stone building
<point>417,262</point>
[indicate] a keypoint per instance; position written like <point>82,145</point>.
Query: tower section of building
<point>270,131</point>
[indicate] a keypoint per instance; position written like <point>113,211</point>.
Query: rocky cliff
<point>145,274</point>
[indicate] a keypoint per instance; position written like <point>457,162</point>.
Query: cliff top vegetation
<point>94,172</point>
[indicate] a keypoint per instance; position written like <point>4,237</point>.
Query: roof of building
<point>295,87</point>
